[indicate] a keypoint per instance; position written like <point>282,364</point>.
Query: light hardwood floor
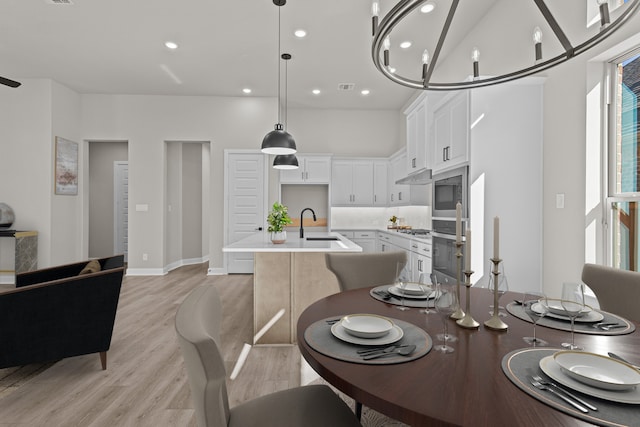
<point>145,382</point>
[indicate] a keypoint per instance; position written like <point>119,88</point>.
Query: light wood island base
<point>291,281</point>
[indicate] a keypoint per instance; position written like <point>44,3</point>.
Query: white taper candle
<point>467,260</point>
<point>496,238</point>
<point>458,222</point>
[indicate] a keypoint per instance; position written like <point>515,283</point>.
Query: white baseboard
<point>145,272</point>
<point>7,279</point>
<point>217,272</point>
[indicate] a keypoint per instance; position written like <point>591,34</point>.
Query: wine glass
<point>401,282</point>
<point>446,305</point>
<point>573,303</point>
<point>422,280</point>
<point>503,287</point>
<point>538,299</point>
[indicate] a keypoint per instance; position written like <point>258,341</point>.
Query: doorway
<point>102,228</point>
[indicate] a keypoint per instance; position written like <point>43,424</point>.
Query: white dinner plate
<point>555,307</point>
<point>395,334</point>
<point>553,370</point>
<point>429,293</point>
<point>590,317</point>
<point>597,370</point>
<point>366,325</point>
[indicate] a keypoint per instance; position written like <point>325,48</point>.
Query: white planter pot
<point>278,237</point>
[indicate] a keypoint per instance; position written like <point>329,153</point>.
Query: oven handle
<point>443,235</point>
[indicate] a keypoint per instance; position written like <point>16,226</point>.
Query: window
<point>625,188</point>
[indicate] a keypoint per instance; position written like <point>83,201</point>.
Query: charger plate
<point>518,364</point>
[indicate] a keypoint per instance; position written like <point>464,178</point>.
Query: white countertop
<point>260,242</point>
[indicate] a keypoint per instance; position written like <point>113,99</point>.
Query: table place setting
<point>588,321</point>
<point>368,339</point>
<point>409,294</point>
<point>596,388</point>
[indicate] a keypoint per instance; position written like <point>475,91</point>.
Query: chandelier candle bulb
<point>537,39</point>
<point>475,56</point>
<point>375,12</point>
<point>604,13</point>
<point>387,45</point>
<point>496,238</point>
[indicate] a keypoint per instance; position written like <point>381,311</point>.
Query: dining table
<point>473,385</point>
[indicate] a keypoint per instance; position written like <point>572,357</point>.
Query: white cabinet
<point>399,194</point>
<point>352,183</point>
<point>380,184</point>
<point>313,170</point>
<point>451,132</point>
<point>420,260</point>
<point>365,239</point>
<point>417,141</point>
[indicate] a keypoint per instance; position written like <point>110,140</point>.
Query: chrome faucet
<point>301,213</point>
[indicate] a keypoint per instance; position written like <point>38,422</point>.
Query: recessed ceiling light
<point>171,45</point>
<point>300,33</point>
<point>428,7</point>
<point>316,91</point>
<point>246,90</point>
<point>365,92</point>
<point>405,44</point>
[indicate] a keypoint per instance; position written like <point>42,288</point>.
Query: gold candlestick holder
<point>467,321</point>
<point>495,322</point>
<point>458,314</point>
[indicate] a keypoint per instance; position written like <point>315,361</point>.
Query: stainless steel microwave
<point>449,188</point>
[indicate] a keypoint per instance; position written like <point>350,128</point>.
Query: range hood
<point>421,177</point>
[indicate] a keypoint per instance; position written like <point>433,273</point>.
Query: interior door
<point>246,182</point>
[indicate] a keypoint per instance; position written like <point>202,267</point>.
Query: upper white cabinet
<point>380,182</point>
<point>399,194</point>
<point>451,132</point>
<point>417,141</point>
<point>352,183</point>
<point>314,169</point>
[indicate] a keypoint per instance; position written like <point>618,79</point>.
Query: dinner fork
<point>540,386</point>
<point>568,393</point>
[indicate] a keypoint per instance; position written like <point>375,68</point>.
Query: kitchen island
<point>289,276</point>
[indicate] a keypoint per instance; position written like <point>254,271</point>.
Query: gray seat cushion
<point>308,406</point>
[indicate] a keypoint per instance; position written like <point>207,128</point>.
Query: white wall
<point>240,123</point>
<point>26,161</point>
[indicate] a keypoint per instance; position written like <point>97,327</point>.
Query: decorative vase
<point>278,237</point>
<point>7,216</point>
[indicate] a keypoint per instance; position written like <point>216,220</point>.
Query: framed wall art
<point>66,167</point>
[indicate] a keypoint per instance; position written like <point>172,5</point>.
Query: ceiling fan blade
<point>9,83</point>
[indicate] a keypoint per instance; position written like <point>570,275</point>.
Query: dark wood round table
<point>463,388</point>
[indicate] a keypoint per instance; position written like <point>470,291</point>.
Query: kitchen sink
<point>323,238</point>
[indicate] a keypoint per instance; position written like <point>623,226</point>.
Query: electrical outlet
<point>145,257</point>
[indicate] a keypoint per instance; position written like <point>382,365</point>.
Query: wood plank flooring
<point>145,383</point>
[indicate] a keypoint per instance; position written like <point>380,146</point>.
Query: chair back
<point>362,270</point>
<point>198,327</point>
<point>618,291</point>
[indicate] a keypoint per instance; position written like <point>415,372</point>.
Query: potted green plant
<point>278,218</point>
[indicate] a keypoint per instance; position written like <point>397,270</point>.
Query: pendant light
<point>285,161</point>
<point>278,141</point>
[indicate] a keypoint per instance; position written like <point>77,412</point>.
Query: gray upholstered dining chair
<point>364,269</point>
<point>198,327</point>
<point>618,291</point>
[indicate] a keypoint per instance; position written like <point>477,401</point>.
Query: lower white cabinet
<point>421,260</point>
<point>364,238</point>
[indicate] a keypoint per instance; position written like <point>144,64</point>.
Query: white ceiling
<point>117,46</point>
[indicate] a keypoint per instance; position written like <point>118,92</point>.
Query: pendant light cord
<point>279,106</point>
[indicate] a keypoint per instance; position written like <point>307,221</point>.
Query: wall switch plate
<point>145,257</point>
<point>560,200</point>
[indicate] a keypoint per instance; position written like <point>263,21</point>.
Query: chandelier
<point>561,36</point>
